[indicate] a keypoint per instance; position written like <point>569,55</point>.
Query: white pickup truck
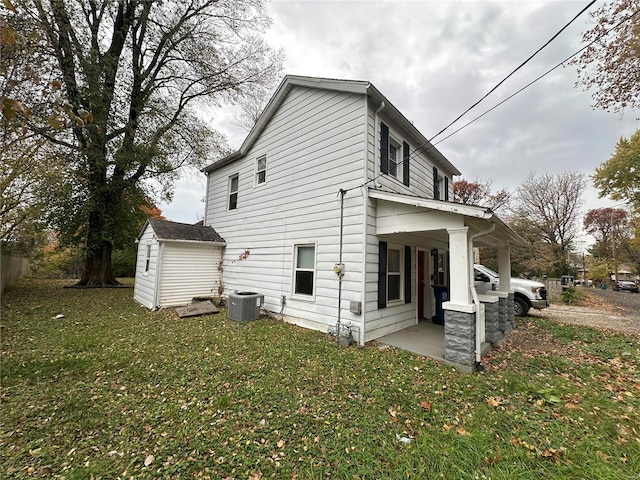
<point>526,293</point>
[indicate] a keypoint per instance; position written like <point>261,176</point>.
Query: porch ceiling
<point>424,219</point>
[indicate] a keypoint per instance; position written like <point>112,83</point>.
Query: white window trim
<point>257,184</point>
<point>229,192</point>
<point>399,300</point>
<point>301,296</point>
<point>398,162</point>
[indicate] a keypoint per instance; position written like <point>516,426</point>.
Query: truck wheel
<point>520,307</point>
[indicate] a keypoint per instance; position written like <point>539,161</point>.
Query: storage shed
<point>176,262</point>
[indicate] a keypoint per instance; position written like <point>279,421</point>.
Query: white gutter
<point>474,294</point>
<point>376,141</point>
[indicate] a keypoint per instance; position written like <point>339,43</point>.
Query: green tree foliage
<point>29,165</point>
<point>134,77</point>
<point>619,177</point>
<point>610,66</point>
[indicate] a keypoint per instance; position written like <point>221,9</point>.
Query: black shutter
<point>382,275</point>
<point>405,163</point>
<point>407,274</point>
<point>446,189</point>
<point>436,192</point>
<point>384,148</point>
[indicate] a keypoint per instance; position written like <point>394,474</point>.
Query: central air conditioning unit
<point>245,306</point>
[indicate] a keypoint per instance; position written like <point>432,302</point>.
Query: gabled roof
<point>182,232</point>
<point>347,86</point>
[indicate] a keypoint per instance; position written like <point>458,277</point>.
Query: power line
<point>515,70</point>
<point>538,78</point>
<point>432,146</point>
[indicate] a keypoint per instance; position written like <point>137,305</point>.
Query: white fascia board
<point>449,207</point>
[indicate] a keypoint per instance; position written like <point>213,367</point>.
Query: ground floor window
<point>305,269</point>
<point>394,273</point>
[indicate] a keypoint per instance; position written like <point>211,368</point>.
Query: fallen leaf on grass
<point>493,402</point>
<point>462,431</point>
<point>426,406</point>
<point>149,460</point>
<point>280,443</point>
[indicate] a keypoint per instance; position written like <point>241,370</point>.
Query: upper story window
<point>261,170</point>
<point>233,191</point>
<point>440,186</point>
<point>394,156</point>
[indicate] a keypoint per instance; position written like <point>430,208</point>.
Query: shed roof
<point>185,232</point>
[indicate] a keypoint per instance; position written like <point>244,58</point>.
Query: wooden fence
<point>12,269</point>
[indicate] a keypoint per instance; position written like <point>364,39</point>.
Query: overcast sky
<point>433,60</point>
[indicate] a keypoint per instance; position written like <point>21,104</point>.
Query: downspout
<point>338,270</point>
<point>376,139</point>
<point>474,294</point>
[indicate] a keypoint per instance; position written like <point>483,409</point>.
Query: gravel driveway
<point>606,309</point>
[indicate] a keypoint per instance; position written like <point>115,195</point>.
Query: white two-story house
<point>339,211</point>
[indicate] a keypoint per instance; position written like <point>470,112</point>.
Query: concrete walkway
<point>425,338</point>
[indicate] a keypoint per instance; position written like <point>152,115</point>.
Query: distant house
<point>176,262</point>
<point>344,209</point>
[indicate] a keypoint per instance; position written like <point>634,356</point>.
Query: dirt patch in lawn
<point>599,314</point>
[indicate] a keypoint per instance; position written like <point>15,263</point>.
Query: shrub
<point>572,296</point>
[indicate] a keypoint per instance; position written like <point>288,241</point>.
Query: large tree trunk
<point>97,270</point>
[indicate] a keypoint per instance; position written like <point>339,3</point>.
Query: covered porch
<point>443,235</point>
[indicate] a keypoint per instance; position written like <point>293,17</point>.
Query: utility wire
<point>535,80</point>
<point>430,146</point>
<point>516,69</point>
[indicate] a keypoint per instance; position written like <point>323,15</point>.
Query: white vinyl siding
<point>420,162</point>
<point>188,270</point>
<point>314,146</point>
<point>145,281</point>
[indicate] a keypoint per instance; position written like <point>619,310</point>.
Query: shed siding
<point>145,283</point>
<point>188,270</point>
<point>314,147</point>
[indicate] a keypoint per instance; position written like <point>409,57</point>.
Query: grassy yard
<point>114,391</point>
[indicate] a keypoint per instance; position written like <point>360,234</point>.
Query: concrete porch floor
<point>426,338</point>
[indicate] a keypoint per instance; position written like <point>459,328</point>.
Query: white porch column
<point>504,269</point>
<point>459,263</point>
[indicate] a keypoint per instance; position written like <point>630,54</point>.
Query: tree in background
<point>545,212</point>
<point>132,77</point>
<point>479,193</point>
<point>29,165</point>
<point>611,65</point>
<point>619,177</point>
<point>609,226</point>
